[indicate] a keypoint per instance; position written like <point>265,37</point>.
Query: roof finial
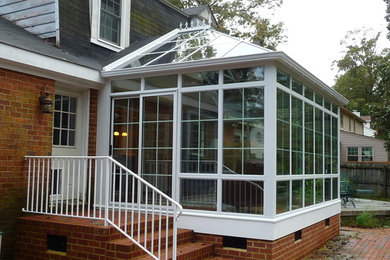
<point>186,25</point>
<point>181,25</point>
<point>203,22</point>
<point>209,19</point>
<point>192,23</point>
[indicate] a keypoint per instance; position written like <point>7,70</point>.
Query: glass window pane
<point>72,137</point>
<point>198,194</point>
<point>253,133</point>
<point>125,85</point>
<point>254,161</point>
<point>57,102</point>
<point>319,190</point>
<point>150,109</point>
<point>297,86</point>
<point>297,163</point>
<point>232,103</point>
<point>352,154</point>
<point>232,161</point>
<point>335,188</point>
<point>132,136</point>
<point>200,79</point>
<point>164,161</point>
<point>64,137</point>
<point>164,139</point>
<point>318,99</point>
<point>207,161</point>
<point>282,196</point>
<point>243,196</point>
<point>57,119</point>
<point>56,136</point>
<point>208,134</point>
<point>253,102</point>
<point>72,105</point>
<point>65,103</point>
<point>233,133</point>
<point>283,105</point>
<point>72,121</point>
<point>283,162</point>
<point>150,134</point>
<point>283,78</point>
<point>308,93</point>
<point>190,161</point>
<point>327,104</point>
<point>190,106</point>
<point>309,192</point>
<point>165,107</point>
<point>209,105</point>
<point>309,163</point>
<point>65,120</point>
<point>120,110</point>
<point>149,158</point>
<point>159,82</point>
<point>243,75</point>
<point>190,133</point>
<point>328,189</point>
<point>297,194</point>
<point>335,108</point>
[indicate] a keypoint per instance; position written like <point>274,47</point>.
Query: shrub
<point>366,220</point>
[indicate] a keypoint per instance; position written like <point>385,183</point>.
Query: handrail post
<point>174,242</point>
<point>106,191</point>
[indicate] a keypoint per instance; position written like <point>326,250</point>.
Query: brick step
<point>124,248</point>
<point>189,251</point>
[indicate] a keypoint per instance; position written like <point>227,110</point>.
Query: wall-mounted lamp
<point>46,101</point>
<point>124,134</point>
<point>116,133</point>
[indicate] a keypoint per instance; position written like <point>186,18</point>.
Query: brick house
<point>242,141</point>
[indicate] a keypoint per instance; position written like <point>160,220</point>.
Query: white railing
<point>98,187</point>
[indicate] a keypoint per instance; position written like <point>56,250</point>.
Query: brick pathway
<point>356,244</point>
<point>368,243</point>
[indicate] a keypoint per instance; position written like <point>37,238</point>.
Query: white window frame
<point>358,153</point>
<point>95,6</point>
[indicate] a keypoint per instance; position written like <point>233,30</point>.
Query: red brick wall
<point>24,130</point>
<point>284,248</point>
<point>92,122</point>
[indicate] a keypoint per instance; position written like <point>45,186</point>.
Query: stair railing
<point>99,187</point>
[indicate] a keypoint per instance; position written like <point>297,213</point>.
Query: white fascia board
<point>125,60</point>
<point>257,227</point>
<point>41,65</point>
<point>246,60</point>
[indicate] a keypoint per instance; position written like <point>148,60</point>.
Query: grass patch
<point>366,220</point>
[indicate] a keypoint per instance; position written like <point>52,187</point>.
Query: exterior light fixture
<point>116,133</point>
<point>46,101</point>
<point>124,134</point>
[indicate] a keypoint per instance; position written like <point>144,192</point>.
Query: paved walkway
<point>358,243</point>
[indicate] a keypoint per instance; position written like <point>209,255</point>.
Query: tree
<point>358,76</point>
<point>242,19</point>
<point>364,78</point>
<point>387,17</point>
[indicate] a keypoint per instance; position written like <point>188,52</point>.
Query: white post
<point>106,192</point>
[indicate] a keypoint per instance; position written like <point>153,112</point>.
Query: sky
<point>316,27</point>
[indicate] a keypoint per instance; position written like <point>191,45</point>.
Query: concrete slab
<point>376,207</point>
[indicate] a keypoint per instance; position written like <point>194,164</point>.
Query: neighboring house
<point>355,145</point>
<point>368,131</point>
<point>244,138</point>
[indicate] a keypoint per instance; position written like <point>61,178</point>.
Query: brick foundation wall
<point>24,130</point>
<point>313,237</point>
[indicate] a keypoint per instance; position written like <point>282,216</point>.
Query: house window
<point>64,130</point>
<point>353,154</point>
<point>367,154</point>
<point>110,20</point>
<point>110,23</point>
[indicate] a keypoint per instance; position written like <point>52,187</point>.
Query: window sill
<point>107,45</point>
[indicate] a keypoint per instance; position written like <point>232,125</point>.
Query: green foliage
<point>242,19</point>
<point>364,79</point>
<point>366,220</point>
<point>387,17</point>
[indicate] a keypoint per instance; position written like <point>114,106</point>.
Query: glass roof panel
<point>197,44</point>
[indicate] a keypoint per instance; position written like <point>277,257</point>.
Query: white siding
<point>35,16</point>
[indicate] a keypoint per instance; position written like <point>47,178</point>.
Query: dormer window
<point>110,25</point>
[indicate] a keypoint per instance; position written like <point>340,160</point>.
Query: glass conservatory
<point>239,135</point>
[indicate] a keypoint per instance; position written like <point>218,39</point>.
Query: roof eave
<point>278,57</point>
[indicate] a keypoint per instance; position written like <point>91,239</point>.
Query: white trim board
<point>257,228</point>
<point>37,64</point>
